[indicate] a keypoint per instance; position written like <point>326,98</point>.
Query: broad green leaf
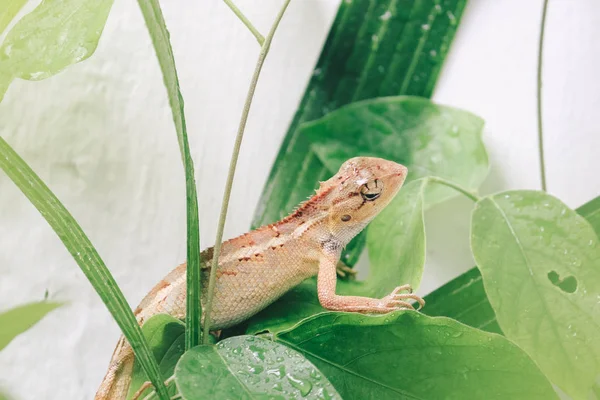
<point>374,49</point>
<point>162,46</point>
<point>8,10</point>
<point>166,338</point>
<point>56,34</point>
<point>17,320</point>
<point>464,298</point>
<point>299,303</point>
<point>540,263</point>
<point>427,138</point>
<point>248,367</point>
<point>407,355</point>
<point>396,242</point>
<point>3,396</point>
<point>84,253</point>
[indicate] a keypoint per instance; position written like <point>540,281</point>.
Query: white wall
<point>101,135</point>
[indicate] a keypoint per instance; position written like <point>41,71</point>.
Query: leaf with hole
<point>407,355</point>
<point>540,263</point>
<point>17,320</point>
<point>248,367</point>
<point>56,34</point>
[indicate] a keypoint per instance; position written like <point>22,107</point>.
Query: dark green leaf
<point>429,139</point>
<point>407,355</point>
<point>56,34</point>
<point>299,303</point>
<point>591,212</point>
<point>374,49</point>
<point>463,299</point>
<point>540,263</point>
<point>162,46</point>
<point>248,367</point>
<point>84,253</point>
<point>17,320</point>
<point>166,337</point>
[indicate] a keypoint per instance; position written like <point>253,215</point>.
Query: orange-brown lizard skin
<point>257,268</point>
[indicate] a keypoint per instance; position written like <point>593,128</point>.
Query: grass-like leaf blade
<point>162,46</point>
<point>374,49</point>
<point>17,320</point>
<point>85,255</point>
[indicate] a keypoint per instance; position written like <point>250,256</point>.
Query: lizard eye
<point>371,190</point>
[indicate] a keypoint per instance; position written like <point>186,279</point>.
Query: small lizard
<point>257,268</point>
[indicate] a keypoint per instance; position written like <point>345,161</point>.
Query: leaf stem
<point>234,157</point>
<point>539,96</point>
<point>454,186</point>
<point>246,21</point>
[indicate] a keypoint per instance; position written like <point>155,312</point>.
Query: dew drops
<point>425,27</point>
<point>386,15</point>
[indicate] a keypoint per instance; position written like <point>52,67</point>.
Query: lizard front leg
<point>326,284</point>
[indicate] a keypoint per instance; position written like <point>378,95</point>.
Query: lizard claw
<point>397,300</point>
<point>345,271</point>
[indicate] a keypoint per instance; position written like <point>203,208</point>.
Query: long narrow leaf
<point>160,38</point>
<point>374,49</point>
<point>84,253</point>
<point>17,320</point>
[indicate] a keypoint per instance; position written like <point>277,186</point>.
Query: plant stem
<point>246,21</point>
<point>264,50</point>
<point>454,186</point>
<point>539,96</point>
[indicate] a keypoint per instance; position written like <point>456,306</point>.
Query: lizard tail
<point>115,384</point>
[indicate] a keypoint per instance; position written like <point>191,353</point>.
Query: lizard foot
<point>398,301</point>
<point>344,271</point>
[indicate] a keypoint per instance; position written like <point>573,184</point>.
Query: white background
<point>101,135</point>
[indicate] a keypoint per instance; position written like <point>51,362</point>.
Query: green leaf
<point>56,34</point>
<point>407,355</point>
<point>248,367</point>
<point>540,263</point>
<point>166,338</point>
<point>591,212</point>
<point>84,253</point>
<point>162,46</point>
<point>374,49</point>
<point>464,298</point>
<point>8,10</point>
<point>299,303</point>
<point>17,320</point>
<point>396,242</point>
<point>429,139</point>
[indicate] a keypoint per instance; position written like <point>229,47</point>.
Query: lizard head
<point>359,191</point>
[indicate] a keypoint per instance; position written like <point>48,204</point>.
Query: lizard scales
<point>258,267</point>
